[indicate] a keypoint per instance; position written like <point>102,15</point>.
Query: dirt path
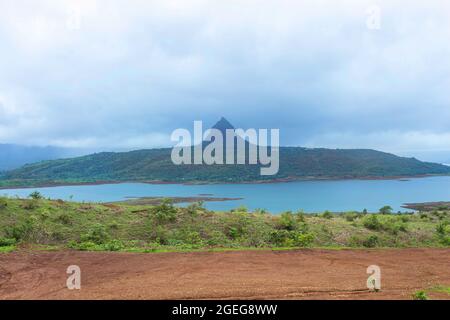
<point>300,274</point>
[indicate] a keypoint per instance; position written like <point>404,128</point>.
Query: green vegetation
<point>420,295</point>
<point>156,165</point>
<point>164,227</point>
<point>436,291</point>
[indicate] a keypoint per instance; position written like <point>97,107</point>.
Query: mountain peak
<point>222,125</point>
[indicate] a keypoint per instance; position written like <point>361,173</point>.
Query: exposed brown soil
<point>299,274</point>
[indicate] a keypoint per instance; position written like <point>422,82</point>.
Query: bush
<point>97,234</point>
<point>194,208</point>
<point>193,237</point>
<point>404,218</point>
<point>371,241</point>
<point>327,215</point>
<point>30,204</point>
<point>83,246</point>
<point>395,228</point>
<point>386,210</point>
<point>233,233</point>
<point>217,238</point>
<point>165,212</point>
<point>441,228</point>
<point>303,239</point>
<point>350,216</point>
<point>20,231</point>
<point>6,242</point>
<point>445,240</point>
<point>113,245</point>
<point>64,218</point>
<point>372,223</point>
<point>285,238</point>
<point>420,295</point>
<point>36,195</point>
<point>287,221</point>
<point>3,203</point>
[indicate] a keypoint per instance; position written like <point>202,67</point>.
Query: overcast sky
<point>112,74</point>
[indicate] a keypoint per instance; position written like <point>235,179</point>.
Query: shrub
<point>165,212</point>
<point>420,295</point>
<point>193,237</point>
<point>113,245</point>
<point>327,215</point>
<point>350,216</point>
<point>64,218</point>
<point>240,209</point>
<point>36,195</point>
<point>441,228</point>
<point>281,238</point>
<point>6,242</point>
<point>216,238</point>
<point>404,218</point>
<point>20,231</point>
<point>394,228</point>
<point>193,208</point>
<point>285,238</point>
<point>30,204</point>
<point>83,246</point>
<point>300,216</point>
<point>287,221</point>
<point>386,210</point>
<point>3,203</point>
<point>114,225</point>
<point>371,241</point>
<point>445,240</point>
<point>233,233</point>
<point>303,239</point>
<point>372,223</point>
<point>96,234</point>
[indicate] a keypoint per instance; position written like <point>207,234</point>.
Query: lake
<point>311,196</point>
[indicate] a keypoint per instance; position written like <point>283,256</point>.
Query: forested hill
<point>156,165</point>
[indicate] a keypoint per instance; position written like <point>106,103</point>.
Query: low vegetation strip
<point>165,227</point>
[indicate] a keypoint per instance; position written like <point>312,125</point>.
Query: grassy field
<point>55,224</point>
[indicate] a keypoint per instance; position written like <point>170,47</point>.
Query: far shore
<point>280,180</point>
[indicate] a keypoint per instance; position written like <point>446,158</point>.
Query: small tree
<point>36,195</point>
<point>386,210</point>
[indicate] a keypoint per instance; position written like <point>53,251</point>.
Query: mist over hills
<point>13,156</point>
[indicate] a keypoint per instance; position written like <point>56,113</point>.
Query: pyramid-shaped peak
<point>222,125</point>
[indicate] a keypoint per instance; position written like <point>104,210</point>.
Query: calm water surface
<point>311,196</point>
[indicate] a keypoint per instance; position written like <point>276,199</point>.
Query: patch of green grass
<point>420,295</point>
<point>7,249</point>
<point>441,289</point>
<point>54,224</point>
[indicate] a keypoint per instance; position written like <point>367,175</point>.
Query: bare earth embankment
<point>296,274</point>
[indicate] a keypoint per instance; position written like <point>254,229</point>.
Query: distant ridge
<point>296,163</point>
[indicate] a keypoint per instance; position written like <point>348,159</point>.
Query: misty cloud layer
<point>112,74</point>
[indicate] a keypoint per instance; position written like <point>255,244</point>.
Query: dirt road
<point>299,274</point>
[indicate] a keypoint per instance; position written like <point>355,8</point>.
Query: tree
<point>386,210</point>
<point>36,195</point>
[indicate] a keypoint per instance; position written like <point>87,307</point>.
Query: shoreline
<point>272,181</point>
<point>139,201</point>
